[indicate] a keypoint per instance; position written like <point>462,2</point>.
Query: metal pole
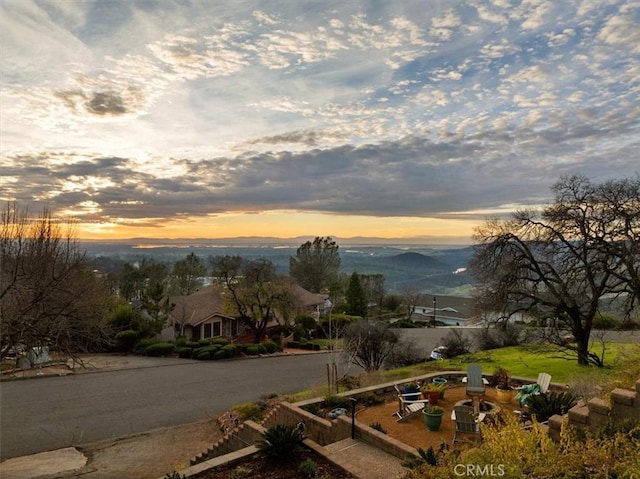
<point>353,417</point>
<point>434,311</point>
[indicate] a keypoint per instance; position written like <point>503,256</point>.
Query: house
<point>199,316</point>
<point>445,310</point>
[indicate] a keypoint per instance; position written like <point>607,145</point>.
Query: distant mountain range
<point>433,269</point>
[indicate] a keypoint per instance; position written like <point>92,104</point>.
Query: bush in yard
<point>160,349</point>
<point>230,350</point>
<point>184,353</point>
<point>250,411</point>
<point>308,468</point>
<point>252,350</point>
<point>271,347</point>
<point>544,405</point>
<point>126,340</point>
<point>456,343</point>
<point>333,401</point>
<point>192,344</point>
<point>530,453</point>
<point>281,442</point>
<point>220,341</point>
<point>203,355</point>
<point>204,342</point>
<point>142,345</point>
<point>378,427</point>
<point>220,354</point>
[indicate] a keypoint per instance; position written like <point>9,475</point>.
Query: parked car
<point>439,353</point>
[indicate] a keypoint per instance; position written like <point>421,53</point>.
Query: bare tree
<point>559,263</point>
<point>369,343</point>
<point>48,295</point>
<point>253,292</point>
<point>410,297</point>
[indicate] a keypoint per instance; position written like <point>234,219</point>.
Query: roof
<point>200,306</point>
<point>307,298</point>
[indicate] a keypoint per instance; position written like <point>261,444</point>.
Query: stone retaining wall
<point>596,413</point>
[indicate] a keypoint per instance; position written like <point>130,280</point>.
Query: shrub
<point>175,475</point>
<point>220,341</point>
<point>370,399</point>
<point>250,411</point>
<point>271,347</point>
<point>307,321</point>
<point>544,405</point>
<point>308,468</point>
<point>126,340</point>
<point>252,350</point>
<point>456,343</point>
<point>192,344</point>
<point>332,402</point>
<point>262,349</point>
<point>378,427</point>
<point>184,353</point>
<point>160,349</point>
<point>204,342</point>
<point>142,345</point>
<point>180,342</point>
<point>203,355</point>
<point>219,354</point>
<point>281,442</point>
<point>230,350</point>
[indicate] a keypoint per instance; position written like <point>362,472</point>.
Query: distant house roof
<point>198,307</point>
<point>448,308</point>
<point>308,299</point>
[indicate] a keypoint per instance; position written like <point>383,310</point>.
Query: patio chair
<point>466,425</point>
<point>475,383</point>
<point>541,386</point>
<point>407,406</point>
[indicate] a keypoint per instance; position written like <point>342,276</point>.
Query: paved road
<point>54,412</point>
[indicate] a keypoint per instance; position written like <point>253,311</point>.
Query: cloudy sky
<point>219,118</point>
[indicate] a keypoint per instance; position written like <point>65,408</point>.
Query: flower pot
<point>432,420</point>
<point>432,396</point>
<point>413,393</point>
<point>504,396</point>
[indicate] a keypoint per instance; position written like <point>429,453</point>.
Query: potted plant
<point>413,391</point>
<point>442,385</point>
<point>432,416</point>
<point>431,392</point>
<point>504,391</point>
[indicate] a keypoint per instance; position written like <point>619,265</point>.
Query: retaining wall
<point>623,405</point>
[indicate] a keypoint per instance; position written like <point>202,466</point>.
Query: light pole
<point>434,311</point>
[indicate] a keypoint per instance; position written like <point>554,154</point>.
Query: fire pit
<point>485,407</point>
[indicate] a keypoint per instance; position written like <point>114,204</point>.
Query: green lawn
<point>528,361</point>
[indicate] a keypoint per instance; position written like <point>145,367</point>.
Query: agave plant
<point>545,405</point>
<point>281,441</point>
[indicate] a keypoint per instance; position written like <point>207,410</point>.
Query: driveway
<point>56,412</point>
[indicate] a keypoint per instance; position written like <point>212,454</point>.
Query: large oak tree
<point>560,262</point>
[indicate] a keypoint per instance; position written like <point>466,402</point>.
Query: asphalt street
<point>55,412</point>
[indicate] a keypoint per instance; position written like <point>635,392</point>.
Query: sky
<point>390,119</point>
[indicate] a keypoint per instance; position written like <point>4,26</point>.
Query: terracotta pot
<point>504,396</point>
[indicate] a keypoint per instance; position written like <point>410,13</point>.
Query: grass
<point>528,361</point>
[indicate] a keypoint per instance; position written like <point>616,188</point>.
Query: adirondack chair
<point>466,425</point>
<point>407,405</point>
<point>475,383</point>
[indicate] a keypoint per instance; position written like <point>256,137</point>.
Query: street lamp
<point>434,311</point>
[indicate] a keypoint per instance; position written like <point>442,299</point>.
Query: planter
<point>442,385</point>
<point>412,393</point>
<point>432,419</point>
<point>432,396</point>
<point>504,396</point>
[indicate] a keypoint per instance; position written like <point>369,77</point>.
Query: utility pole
<point>434,311</point>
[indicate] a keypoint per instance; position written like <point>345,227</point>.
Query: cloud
<point>171,109</point>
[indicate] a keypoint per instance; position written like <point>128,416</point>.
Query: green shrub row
<point>301,345</point>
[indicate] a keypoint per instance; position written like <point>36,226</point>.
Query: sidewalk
<point>365,461</point>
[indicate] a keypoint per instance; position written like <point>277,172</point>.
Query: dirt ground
<point>413,431</point>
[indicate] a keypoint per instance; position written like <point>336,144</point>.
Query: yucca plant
<point>545,405</point>
<point>281,442</point>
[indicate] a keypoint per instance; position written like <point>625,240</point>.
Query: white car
<point>439,353</point>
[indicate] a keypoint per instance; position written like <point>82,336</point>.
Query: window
<point>212,330</point>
